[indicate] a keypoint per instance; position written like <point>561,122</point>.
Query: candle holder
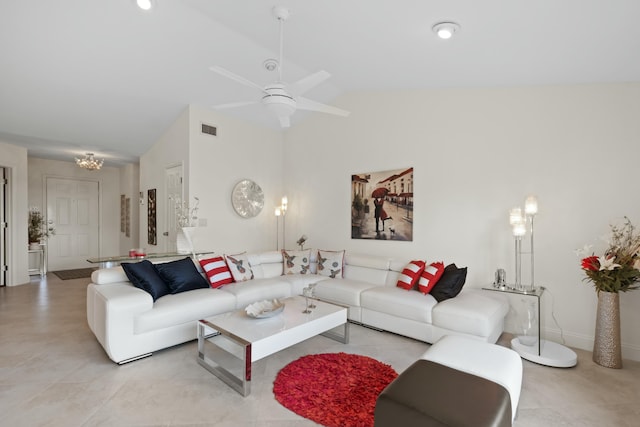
<point>306,293</point>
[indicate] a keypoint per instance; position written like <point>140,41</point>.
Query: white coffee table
<point>235,338</point>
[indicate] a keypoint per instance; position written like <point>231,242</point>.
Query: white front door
<point>73,211</point>
<point>173,183</point>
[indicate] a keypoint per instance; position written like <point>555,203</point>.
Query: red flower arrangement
<point>618,270</point>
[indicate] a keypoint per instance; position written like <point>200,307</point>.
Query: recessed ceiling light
<point>445,30</point>
<point>144,4</point>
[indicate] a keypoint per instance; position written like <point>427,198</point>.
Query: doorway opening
<point>4,226</point>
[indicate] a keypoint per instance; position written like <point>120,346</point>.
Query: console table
<point>41,253</point>
<point>540,351</point>
<point>113,261</point>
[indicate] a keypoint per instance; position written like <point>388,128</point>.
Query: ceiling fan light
<point>279,102</point>
<point>446,30</point>
<point>280,108</point>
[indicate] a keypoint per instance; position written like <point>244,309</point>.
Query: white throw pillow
<point>296,262</point>
<point>331,263</point>
<point>239,266</point>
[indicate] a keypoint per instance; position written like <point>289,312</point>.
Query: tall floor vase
<point>607,348</point>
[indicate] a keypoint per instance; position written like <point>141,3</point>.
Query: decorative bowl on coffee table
<point>264,309</point>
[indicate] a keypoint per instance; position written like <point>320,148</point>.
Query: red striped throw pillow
<point>430,277</point>
<point>217,271</point>
<point>410,275</point>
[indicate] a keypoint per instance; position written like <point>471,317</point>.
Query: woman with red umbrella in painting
<point>378,201</point>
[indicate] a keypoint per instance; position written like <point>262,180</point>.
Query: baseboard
<point>585,342</point>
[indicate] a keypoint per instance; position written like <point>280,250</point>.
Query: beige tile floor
<point>54,373</point>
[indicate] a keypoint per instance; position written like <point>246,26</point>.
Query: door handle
<point>166,233</point>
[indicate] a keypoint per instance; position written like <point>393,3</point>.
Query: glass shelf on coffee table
<point>229,343</point>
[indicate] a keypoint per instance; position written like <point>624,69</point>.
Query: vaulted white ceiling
<point>104,76</point>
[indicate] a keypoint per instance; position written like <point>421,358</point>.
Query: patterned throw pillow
<point>239,266</point>
<point>430,277</point>
<point>410,275</point>
<point>296,262</point>
<point>217,271</point>
<point>331,263</point>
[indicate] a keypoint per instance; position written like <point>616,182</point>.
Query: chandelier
<point>89,162</point>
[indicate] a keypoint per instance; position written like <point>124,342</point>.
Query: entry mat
<point>78,273</point>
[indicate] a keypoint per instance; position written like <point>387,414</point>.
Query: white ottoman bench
<point>458,382</point>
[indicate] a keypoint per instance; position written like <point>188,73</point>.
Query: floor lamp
<point>278,213</point>
<point>539,350</point>
<point>283,210</point>
<point>530,210</point>
<point>519,230</point>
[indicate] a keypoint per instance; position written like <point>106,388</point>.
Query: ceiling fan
<point>280,98</point>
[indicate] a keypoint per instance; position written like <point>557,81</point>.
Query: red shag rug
<point>333,389</point>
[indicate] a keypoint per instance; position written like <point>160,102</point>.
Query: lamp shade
<point>519,229</point>
<point>515,216</point>
<point>531,205</point>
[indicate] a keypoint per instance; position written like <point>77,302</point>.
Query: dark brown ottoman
<point>430,394</point>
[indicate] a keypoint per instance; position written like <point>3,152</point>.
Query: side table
<point>41,268</point>
<point>541,351</point>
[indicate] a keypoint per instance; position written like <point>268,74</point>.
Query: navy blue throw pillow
<point>144,276</point>
<point>450,284</point>
<point>181,275</point>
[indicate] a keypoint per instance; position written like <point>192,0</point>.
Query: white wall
<point>170,150</point>
<point>108,179</point>
<point>15,159</point>
<point>129,186</point>
<point>217,163</point>
<point>212,165</point>
<point>477,153</point>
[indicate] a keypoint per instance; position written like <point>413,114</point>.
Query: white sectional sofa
<point>129,324</point>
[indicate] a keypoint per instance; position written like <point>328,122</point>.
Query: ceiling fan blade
<point>233,76</point>
<point>234,105</point>
<point>284,121</point>
<point>309,82</point>
<point>307,104</point>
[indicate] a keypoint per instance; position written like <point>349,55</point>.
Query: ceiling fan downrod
<point>282,14</point>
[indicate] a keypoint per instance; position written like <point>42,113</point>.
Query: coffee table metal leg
<point>240,384</point>
<point>343,337</point>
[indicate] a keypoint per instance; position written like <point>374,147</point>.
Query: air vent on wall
<point>209,130</point>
